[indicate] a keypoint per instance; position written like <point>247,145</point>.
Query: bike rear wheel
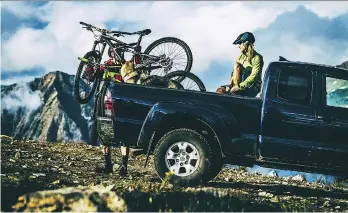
<point>189,80</point>
<point>81,83</point>
<point>177,50</point>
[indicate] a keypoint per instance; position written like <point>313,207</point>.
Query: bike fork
<point>102,50</point>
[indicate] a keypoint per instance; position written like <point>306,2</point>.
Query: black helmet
<point>246,36</point>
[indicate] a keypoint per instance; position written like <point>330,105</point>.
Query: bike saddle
<point>144,32</point>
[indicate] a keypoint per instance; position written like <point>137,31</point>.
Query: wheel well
<point>176,121</point>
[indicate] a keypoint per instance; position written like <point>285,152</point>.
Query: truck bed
<point>131,104</point>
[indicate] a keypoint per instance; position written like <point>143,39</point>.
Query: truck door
<point>288,120</point>
<point>331,146</point>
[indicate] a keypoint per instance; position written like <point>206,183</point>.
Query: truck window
<point>336,92</point>
<point>295,85</point>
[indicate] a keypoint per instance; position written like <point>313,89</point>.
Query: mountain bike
<point>147,60</point>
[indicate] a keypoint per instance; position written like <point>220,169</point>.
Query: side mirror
<point>282,58</point>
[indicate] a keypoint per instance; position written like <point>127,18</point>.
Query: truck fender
<point>213,121</point>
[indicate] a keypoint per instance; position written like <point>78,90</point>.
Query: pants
<point>251,91</point>
<point>239,75</point>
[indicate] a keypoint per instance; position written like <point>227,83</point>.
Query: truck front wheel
<point>186,155</point>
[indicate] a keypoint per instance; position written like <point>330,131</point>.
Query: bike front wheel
<point>176,50</point>
<point>188,80</point>
<point>86,79</point>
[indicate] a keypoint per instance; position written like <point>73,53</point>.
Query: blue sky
<point>39,37</point>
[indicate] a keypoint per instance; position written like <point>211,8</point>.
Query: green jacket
<point>252,71</point>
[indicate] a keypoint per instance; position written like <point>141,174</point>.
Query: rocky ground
<point>64,178</point>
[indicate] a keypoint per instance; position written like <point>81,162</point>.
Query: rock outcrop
<point>72,199</point>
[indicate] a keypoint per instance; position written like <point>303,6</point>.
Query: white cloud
<point>207,27</point>
<point>24,10</point>
<point>30,48</point>
<point>21,96</point>
<point>13,80</point>
<point>329,9</point>
<point>278,5</point>
<point>316,50</point>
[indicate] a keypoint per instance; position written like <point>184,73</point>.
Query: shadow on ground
<point>284,190</point>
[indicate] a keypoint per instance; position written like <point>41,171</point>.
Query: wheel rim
<point>175,52</point>
<point>187,83</point>
<point>182,158</point>
<point>85,85</point>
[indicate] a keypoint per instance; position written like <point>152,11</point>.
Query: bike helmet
<point>245,37</point>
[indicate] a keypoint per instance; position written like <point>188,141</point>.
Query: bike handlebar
<point>93,27</point>
<point>83,23</point>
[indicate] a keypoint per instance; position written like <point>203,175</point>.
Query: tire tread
<point>76,81</point>
<point>192,133</point>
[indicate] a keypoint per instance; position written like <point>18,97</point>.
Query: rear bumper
<point>105,129</point>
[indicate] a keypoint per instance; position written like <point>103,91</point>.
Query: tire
<point>153,80</point>
<point>99,111</point>
<point>78,98</point>
<point>176,41</point>
<point>159,81</point>
<point>96,113</point>
<point>182,75</point>
<point>194,139</point>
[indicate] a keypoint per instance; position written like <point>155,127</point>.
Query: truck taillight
<point>109,111</point>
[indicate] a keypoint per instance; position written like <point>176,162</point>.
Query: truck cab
<point>304,115</point>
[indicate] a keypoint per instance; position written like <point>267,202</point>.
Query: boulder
<point>72,199</point>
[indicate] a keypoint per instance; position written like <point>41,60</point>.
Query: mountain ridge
<point>57,117</point>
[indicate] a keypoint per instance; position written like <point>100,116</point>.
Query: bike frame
<point>134,49</point>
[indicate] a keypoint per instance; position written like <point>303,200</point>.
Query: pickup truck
<point>299,122</point>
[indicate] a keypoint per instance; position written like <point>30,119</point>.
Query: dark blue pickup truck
<point>299,122</point>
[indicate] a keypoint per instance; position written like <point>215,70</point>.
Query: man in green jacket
<point>246,76</point>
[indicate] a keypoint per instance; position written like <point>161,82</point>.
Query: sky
<point>40,37</point>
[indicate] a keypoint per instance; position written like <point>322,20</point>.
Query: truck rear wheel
<point>186,154</point>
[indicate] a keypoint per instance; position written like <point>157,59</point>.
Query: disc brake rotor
<point>167,64</point>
